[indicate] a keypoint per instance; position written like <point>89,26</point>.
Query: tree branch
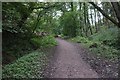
<point>104,14</point>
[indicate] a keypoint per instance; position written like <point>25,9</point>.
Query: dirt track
<point>68,63</point>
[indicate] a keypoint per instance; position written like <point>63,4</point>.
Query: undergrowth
<point>17,47</point>
<point>102,43</point>
<point>46,41</point>
<point>31,62</point>
<point>28,66</point>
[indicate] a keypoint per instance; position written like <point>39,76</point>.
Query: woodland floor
<point>68,63</point>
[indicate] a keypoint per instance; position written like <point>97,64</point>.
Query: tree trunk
<point>72,7</point>
<point>89,23</point>
<point>116,8</point>
<point>85,18</point>
<point>99,19</point>
<point>91,15</point>
<point>38,19</point>
<point>104,14</point>
<point>80,18</point>
<point>95,21</point>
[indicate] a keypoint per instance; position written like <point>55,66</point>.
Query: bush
<point>106,52</point>
<point>80,39</point>
<point>48,41</point>
<point>45,41</point>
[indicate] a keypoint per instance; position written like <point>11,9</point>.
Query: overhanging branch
<point>104,14</point>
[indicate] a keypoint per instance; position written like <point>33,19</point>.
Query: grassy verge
<point>97,47</point>
<point>28,66</point>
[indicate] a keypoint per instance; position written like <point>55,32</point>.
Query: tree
<point>69,29</point>
<point>104,14</point>
<point>116,8</point>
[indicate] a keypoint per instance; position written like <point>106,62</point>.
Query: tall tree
<point>116,8</point>
<point>95,20</point>
<point>106,15</point>
<point>85,19</point>
<point>72,6</point>
<point>88,21</point>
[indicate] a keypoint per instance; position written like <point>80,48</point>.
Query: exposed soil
<point>68,62</point>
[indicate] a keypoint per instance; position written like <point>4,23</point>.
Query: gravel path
<point>68,63</point>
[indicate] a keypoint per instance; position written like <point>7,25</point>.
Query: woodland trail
<point>68,63</point>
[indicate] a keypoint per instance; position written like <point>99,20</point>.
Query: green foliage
<point>106,52</point>
<point>45,41</point>
<point>20,21</point>
<point>107,37</point>
<point>57,29</point>
<point>102,43</point>
<point>69,23</point>
<point>80,39</point>
<point>15,15</point>
<point>27,66</point>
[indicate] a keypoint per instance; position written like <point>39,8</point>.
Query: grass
<point>28,66</point>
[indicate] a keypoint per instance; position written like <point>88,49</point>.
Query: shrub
<point>80,39</point>
<point>106,37</point>
<point>43,41</point>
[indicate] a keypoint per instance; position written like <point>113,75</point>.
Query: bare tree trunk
<point>81,31</point>
<point>85,18</point>
<point>72,7</point>
<point>104,14</point>
<point>89,22</point>
<point>95,21</point>
<point>116,8</point>
<point>99,21</point>
<point>91,15</point>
